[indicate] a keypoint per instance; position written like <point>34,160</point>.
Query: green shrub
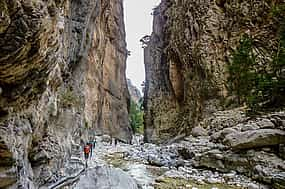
<point>136,117</point>
<point>258,85</point>
<point>69,99</point>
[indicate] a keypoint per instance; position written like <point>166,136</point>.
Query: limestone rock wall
<point>186,58</point>
<point>135,93</point>
<point>62,80</point>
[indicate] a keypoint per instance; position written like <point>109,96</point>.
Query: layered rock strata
<point>62,66</point>
<point>187,55</point>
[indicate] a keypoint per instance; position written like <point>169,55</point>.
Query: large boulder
<point>255,138</point>
<point>104,177</point>
<point>261,166</point>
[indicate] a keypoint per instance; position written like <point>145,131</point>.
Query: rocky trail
<point>203,160</point>
<point>147,166</point>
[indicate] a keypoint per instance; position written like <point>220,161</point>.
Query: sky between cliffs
<point>138,21</point>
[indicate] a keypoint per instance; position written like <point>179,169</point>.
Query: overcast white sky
<point>138,21</point>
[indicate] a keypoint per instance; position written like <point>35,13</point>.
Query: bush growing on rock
<point>256,76</point>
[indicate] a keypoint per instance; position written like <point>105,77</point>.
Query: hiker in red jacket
<point>90,144</point>
<point>86,153</point>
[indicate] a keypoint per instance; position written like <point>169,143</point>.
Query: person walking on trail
<point>90,144</point>
<point>86,153</point>
<point>94,143</point>
<point>111,141</point>
<point>116,141</point>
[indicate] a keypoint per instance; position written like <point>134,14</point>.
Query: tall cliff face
<point>187,56</point>
<point>62,66</point>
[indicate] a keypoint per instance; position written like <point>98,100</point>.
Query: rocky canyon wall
<point>62,80</point>
<point>187,55</point>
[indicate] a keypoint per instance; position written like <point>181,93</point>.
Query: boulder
<point>255,139</point>
<point>185,153</point>
<point>220,135</point>
<point>106,138</point>
<point>212,159</point>
<point>156,161</point>
<point>265,124</point>
<point>199,131</point>
<point>106,177</point>
<point>249,126</point>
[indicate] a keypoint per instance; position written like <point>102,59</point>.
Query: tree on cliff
<point>258,85</point>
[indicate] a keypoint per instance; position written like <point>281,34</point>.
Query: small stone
<point>256,186</point>
<point>252,186</point>
<point>199,131</point>
<point>213,181</point>
<point>265,124</point>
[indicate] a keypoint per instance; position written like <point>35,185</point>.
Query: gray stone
<point>265,124</point>
<point>247,127</point>
<point>256,186</point>
<point>106,138</point>
<point>106,178</point>
<point>255,138</point>
<point>199,131</point>
<point>220,135</point>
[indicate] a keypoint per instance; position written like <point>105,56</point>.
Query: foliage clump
<point>69,99</point>
<point>259,85</point>
<point>136,116</point>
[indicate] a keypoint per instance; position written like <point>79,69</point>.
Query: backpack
<point>90,144</point>
<point>86,149</point>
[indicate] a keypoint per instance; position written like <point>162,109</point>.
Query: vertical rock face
<point>135,94</point>
<point>62,80</point>
<point>186,58</point>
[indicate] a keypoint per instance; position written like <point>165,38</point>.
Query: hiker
<point>94,143</point>
<point>111,141</point>
<point>90,144</point>
<point>86,153</point>
<point>116,142</point>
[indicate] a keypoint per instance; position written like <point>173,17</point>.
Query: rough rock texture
<point>106,177</point>
<point>134,92</point>
<point>62,79</point>
<point>255,138</point>
<point>186,58</point>
<point>253,147</point>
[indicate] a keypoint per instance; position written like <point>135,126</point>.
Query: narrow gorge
<point>214,96</point>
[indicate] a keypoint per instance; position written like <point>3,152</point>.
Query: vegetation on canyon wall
<point>136,117</point>
<point>258,85</point>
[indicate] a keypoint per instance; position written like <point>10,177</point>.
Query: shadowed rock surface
<point>62,77</point>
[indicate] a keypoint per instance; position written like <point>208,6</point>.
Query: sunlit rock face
<point>62,80</point>
<point>187,56</point>
<point>135,94</point>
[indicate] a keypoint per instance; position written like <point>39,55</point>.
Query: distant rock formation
<point>62,80</point>
<point>134,92</point>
